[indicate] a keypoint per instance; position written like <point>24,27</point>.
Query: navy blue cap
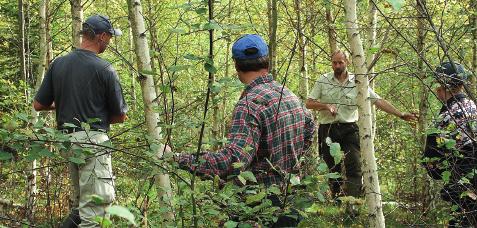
<point>251,46</point>
<point>451,74</point>
<point>100,24</point>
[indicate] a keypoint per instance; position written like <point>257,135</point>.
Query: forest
<point>175,66</point>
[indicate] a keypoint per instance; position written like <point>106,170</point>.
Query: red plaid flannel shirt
<point>269,133</point>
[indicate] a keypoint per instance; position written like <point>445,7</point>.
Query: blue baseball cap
<point>250,46</point>
<point>100,23</point>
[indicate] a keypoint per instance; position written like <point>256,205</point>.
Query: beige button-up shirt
<point>328,90</point>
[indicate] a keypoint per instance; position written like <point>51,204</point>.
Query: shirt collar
<point>260,80</point>
<point>257,81</point>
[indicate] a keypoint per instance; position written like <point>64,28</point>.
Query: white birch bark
<point>371,35</point>
<point>369,167</point>
<point>148,90</point>
<point>43,46</point>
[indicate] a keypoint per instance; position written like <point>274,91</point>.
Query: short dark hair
<point>87,32</point>
<point>246,65</point>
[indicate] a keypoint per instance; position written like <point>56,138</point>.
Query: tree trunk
<point>21,40</point>
<point>331,28</point>
<point>131,71</point>
<point>302,52</point>
<point>370,174</point>
<point>31,175</point>
<point>371,35</point>
<point>148,92</point>
<point>77,21</point>
<point>272,37</point>
<point>473,25</point>
<point>423,104</point>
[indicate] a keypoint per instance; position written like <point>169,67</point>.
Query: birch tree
<point>43,46</point>
<point>148,92</point>
<point>473,26</point>
<point>369,167</point>
<point>76,22</point>
<point>371,36</point>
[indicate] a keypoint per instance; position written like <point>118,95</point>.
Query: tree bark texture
<point>369,167</point>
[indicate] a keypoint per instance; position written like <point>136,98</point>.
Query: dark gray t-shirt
<point>83,87</point>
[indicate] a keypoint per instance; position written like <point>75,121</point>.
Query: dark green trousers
<point>347,135</point>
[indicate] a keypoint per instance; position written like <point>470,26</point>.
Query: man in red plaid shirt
<point>271,129</point>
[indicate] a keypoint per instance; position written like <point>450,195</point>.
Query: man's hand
<point>332,109</point>
<point>118,119</point>
<point>39,107</point>
<point>408,116</point>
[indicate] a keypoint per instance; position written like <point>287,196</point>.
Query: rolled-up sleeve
<point>315,93</point>
<point>242,146</point>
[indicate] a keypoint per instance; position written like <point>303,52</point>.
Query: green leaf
<point>275,190</point>
<point>244,225</point>
<point>373,50</point>
<point>241,179</point>
<point>23,116</point>
<point>333,175</point>
<point>210,68</point>
<point>454,208</point>
<point>93,120</point>
<point>212,25</point>
<point>103,221</point>
<point>238,165</point>
<point>446,176</point>
<point>98,200</point>
<point>5,156</point>
<point>335,151</point>
<point>322,167</point>
<point>192,57</point>
<point>248,176</point>
<point>396,4</point>
<point>213,212</point>
<point>121,212</point>
<point>294,180</point>
<point>450,143</point>
<point>230,224</point>
<point>201,10</point>
<point>313,209</point>
<point>255,198</point>
<point>76,160</point>
<point>216,88</point>
<point>45,153</point>
<point>69,125</point>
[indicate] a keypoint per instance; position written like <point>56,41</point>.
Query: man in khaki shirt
<point>334,97</point>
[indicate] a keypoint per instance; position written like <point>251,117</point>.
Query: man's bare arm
<point>118,119</point>
<point>39,107</point>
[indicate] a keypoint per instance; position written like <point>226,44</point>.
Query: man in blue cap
<point>85,90</point>
<point>450,152</point>
<point>271,129</point>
